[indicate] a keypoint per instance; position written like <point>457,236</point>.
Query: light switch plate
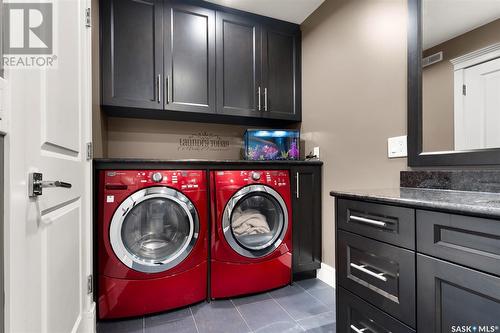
<point>316,152</point>
<point>397,147</point>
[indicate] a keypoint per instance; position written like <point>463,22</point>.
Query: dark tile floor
<point>307,305</point>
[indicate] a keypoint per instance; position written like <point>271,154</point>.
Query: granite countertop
<point>483,204</point>
<point>131,162</point>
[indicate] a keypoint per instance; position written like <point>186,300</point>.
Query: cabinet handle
<point>362,268</point>
<point>367,221</point>
<point>297,179</point>
<point>158,88</point>
<point>167,88</point>
<point>258,96</point>
<point>265,99</point>
<point>357,330</point>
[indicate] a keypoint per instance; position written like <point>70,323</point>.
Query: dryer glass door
<point>255,221</point>
<point>156,231</point>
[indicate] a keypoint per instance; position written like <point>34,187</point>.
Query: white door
<point>477,113</point>
<point>48,238</point>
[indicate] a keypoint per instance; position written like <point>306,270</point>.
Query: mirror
<point>453,82</point>
<point>460,75</point>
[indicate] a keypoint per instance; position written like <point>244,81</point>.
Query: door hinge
<point>90,151</point>
<point>88,18</point>
<point>464,90</point>
<point>90,284</point>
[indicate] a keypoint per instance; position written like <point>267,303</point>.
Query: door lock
<point>36,184</point>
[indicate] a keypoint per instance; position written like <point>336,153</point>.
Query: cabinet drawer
<point>391,224</point>
<point>380,273</point>
<point>470,241</point>
<point>356,315</point>
<point>451,295</point>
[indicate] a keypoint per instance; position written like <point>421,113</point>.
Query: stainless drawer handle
<point>367,220</point>
<point>357,330</point>
<point>362,268</point>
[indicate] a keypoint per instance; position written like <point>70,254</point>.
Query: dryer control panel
<point>178,179</point>
<point>274,178</point>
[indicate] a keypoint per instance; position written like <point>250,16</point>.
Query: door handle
<point>167,88</point>
<point>258,96</point>
<point>367,220</point>
<point>158,88</point>
<point>362,268</point>
<point>36,184</point>
<point>265,99</point>
<point>297,179</point>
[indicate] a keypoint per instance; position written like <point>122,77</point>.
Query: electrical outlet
<point>396,147</point>
<point>316,152</point>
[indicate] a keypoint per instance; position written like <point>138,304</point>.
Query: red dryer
<point>251,241</point>
<point>152,241</point>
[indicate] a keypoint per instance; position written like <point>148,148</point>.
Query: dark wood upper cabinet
<point>189,58</point>
<point>238,65</point>
<point>281,71</point>
<point>132,53</point>
<point>195,61</point>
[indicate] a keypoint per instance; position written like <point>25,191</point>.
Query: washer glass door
<point>255,221</point>
<point>154,229</point>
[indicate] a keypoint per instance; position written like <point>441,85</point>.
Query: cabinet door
<point>281,73</point>
<point>238,43</point>
<point>450,296</point>
<point>132,53</point>
<point>306,211</point>
<point>189,58</point>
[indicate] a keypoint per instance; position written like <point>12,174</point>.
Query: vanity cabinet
<point>386,252</point>
<point>192,60</point>
<point>306,228</point>
<point>452,295</point>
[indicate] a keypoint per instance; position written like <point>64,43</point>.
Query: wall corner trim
<point>327,274</point>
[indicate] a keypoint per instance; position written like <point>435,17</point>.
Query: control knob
<point>256,176</point>
<point>157,177</point>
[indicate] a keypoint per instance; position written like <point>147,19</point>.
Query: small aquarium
<point>272,145</point>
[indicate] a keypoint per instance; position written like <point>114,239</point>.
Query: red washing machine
<point>251,248</point>
<point>152,241</point>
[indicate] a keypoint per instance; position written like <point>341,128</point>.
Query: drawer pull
<point>367,221</point>
<point>357,330</point>
<point>362,268</point>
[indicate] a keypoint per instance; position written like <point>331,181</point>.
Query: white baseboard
<point>326,274</point>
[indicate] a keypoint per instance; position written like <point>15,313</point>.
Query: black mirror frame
<point>416,156</point>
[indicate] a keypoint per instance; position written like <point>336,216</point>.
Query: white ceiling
<point>446,19</point>
<point>295,11</point>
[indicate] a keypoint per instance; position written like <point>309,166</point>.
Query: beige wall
<point>160,139</point>
<point>437,85</point>
<point>354,95</point>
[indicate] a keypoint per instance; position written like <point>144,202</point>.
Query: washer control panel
<point>179,179</point>
<point>275,178</point>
